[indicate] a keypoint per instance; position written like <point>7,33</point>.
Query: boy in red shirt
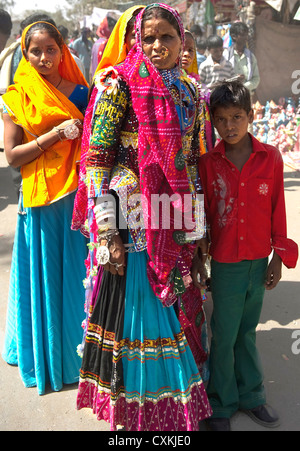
<point>243,188</point>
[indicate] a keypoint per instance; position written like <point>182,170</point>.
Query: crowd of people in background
<point>146,109</point>
<point>214,62</point>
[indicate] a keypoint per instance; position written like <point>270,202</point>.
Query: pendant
<point>71,131</point>
<point>102,255</point>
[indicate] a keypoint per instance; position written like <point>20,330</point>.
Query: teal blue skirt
<point>138,370</point>
<point>46,297</point>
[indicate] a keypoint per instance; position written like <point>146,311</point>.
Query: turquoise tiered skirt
<point>138,370</point>
<point>46,297</point>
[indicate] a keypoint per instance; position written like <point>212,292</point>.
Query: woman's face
<point>188,52</point>
<point>43,53</point>
<point>161,43</point>
<point>130,38</point>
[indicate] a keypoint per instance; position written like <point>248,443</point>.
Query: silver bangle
<point>57,131</point>
<point>117,265</point>
<point>108,234</point>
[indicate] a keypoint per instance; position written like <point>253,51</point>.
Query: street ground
<point>278,338</point>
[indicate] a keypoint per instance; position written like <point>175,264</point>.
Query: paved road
<point>21,409</point>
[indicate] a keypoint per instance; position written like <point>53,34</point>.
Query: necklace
<point>170,76</point>
<point>59,82</point>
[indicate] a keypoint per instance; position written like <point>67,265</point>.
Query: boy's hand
<point>198,266</point>
<point>274,272</point>
<point>199,271</point>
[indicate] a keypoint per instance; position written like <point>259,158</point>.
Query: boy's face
<point>232,123</point>
<point>241,39</point>
<point>216,54</point>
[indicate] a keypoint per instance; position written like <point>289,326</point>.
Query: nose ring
<point>48,64</point>
<point>164,52</point>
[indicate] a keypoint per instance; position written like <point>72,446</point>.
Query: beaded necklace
<point>180,95</point>
<point>170,76</point>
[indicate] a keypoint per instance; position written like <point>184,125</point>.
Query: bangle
<point>57,131</point>
<point>38,146</point>
<point>107,235</point>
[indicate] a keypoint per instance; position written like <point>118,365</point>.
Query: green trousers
<point>236,376</point>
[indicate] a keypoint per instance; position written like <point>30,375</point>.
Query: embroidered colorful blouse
<point>113,151</point>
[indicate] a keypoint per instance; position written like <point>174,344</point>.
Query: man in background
<point>241,58</point>
<point>5,28</point>
<point>83,47</point>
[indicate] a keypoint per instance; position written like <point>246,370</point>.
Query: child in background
<point>189,64</point>
<point>242,181</point>
<point>242,59</point>
<point>215,68</point>
<point>201,49</point>
<point>189,59</point>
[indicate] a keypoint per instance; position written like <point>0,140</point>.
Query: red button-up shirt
<point>246,210</point>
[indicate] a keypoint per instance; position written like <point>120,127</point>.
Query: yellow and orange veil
<point>193,69</point>
<point>115,51</point>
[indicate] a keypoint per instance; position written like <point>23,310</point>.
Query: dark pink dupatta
<point>161,165</point>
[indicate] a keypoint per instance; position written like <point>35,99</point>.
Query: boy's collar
<point>257,146</point>
<point>213,61</point>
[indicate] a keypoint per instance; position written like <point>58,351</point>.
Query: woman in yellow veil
<point>189,56</point>
<point>43,123</point>
<point>119,43</point>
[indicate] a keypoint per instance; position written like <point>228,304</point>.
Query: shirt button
<point>242,204</point>
<point>242,221</point>
<point>241,238</point>
<point>242,184</point>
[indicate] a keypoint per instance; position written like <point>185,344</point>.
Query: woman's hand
<point>62,129</point>
<point>19,153</point>
<point>117,255</point>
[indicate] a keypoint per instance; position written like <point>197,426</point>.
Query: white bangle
<point>105,216</point>
<point>38,146</point>
<point>57,131</point>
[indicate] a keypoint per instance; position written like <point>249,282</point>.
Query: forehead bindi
<point>157,26</point>
<point>40,37</point>
<point>189,43</point>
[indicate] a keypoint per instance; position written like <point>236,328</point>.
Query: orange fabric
<point>193,69</point>
<point>36,106</point>
<point>115,51</point>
